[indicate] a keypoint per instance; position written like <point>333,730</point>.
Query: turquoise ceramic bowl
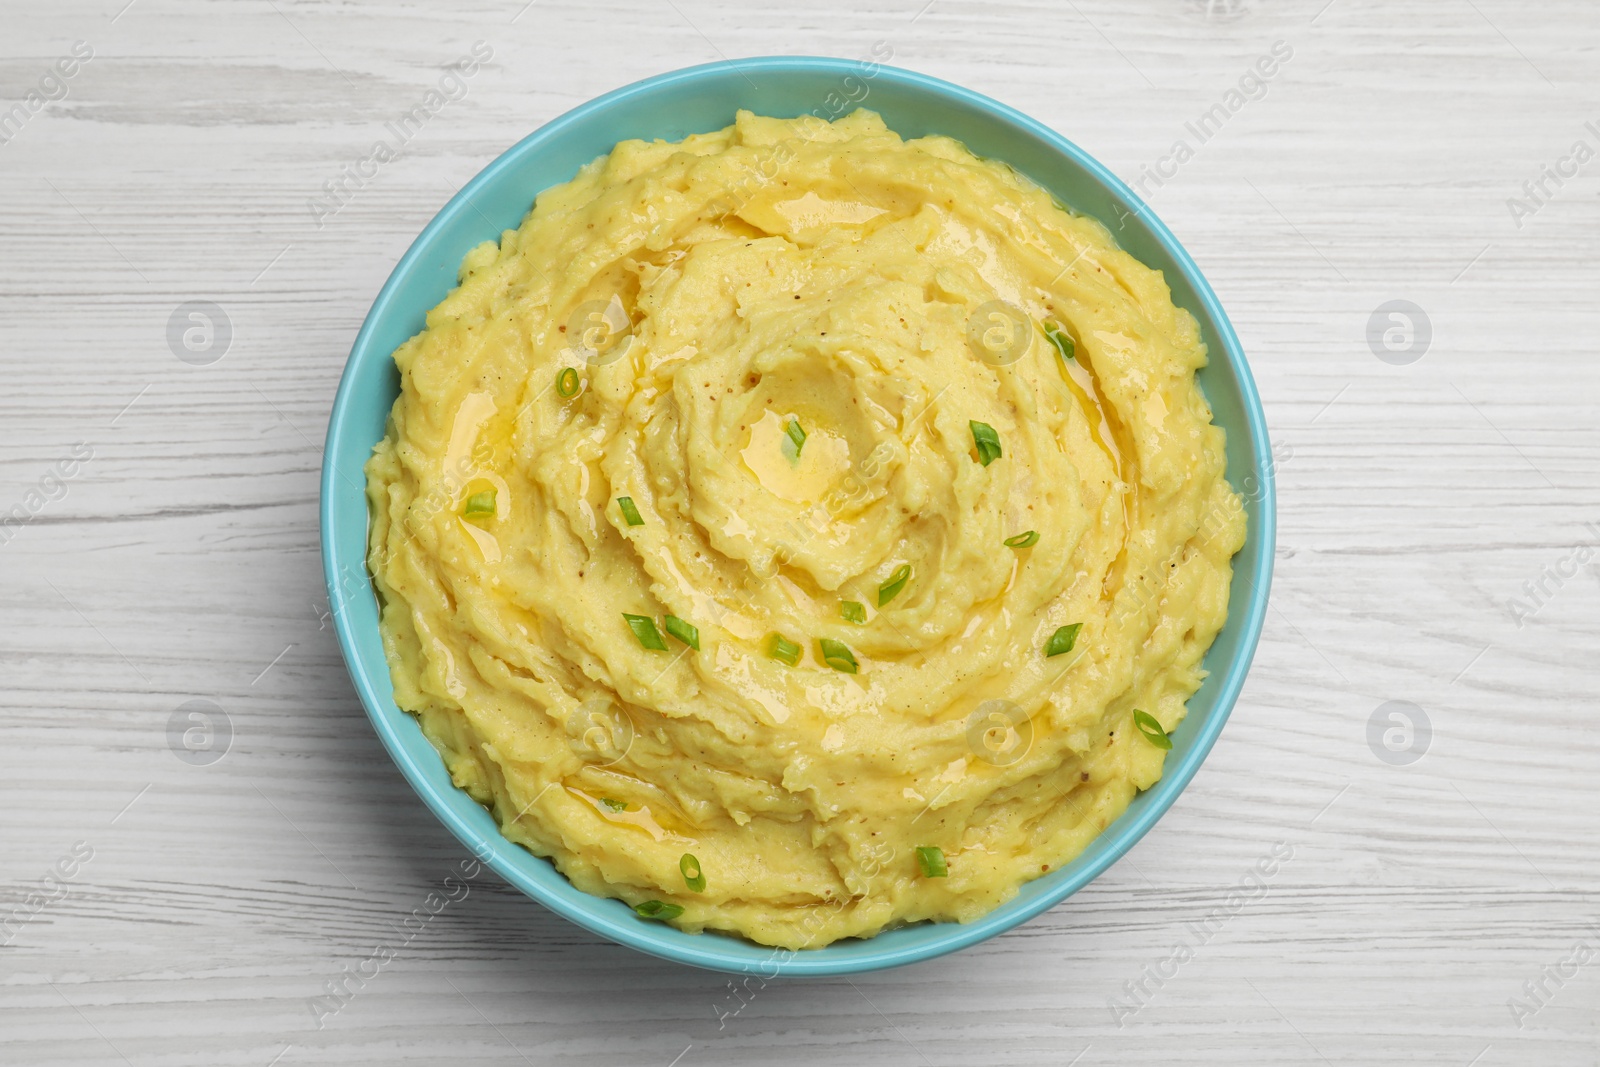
<point>672,106</point>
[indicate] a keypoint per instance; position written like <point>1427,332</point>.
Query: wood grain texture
<point>181,560</point>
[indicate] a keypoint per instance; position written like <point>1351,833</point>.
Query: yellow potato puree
<point>857,429</point>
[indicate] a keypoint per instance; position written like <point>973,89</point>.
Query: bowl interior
<point>670,107</point>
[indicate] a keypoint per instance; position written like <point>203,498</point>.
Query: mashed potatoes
<point>780,529</point>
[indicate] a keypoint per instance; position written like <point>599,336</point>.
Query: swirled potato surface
<point>903,475</point>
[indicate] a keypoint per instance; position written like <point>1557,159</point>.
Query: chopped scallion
<point>782,649</point>
<point>1022,540</point>
<point>693,876</point>
<point>1061,339</point>
<point>683,631</point>
<point>1062,640</point>
<point>837,655</point>
<point>931,859</point>
<point>897,581</point>
<point>1151,729</point>
<point>630,513</point>
<point>852,611</point>
<point>614,804</point>
<point>987,442</point>
<point>480,505</point>
<point>796,435</point>
<point>567,383</point>
<point>644,628</point>
<point>655,909</point>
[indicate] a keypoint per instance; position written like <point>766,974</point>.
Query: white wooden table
<point>165,550</point>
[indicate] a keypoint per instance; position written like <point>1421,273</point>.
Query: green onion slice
<point>693,876</point>
<point>1151,729</point>
<point>837,655</point>
<point>987,440</point>
<point>480,505</point>
<point>614,804</point>
<point>644,628</point>
<point>797,436</point>
<point>782,649</point>
<point>1061,339</point>
<point>1023,540</point>
<point>852,611</point>
<point>630,513</point>
<point>683,631</point>
<point>931,859</point>
<point>897,581</point>
<point>655,909</point>
<point>567,384</point>
<point>1062,640</point>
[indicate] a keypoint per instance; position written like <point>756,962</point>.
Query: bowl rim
<point>702,950</point>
